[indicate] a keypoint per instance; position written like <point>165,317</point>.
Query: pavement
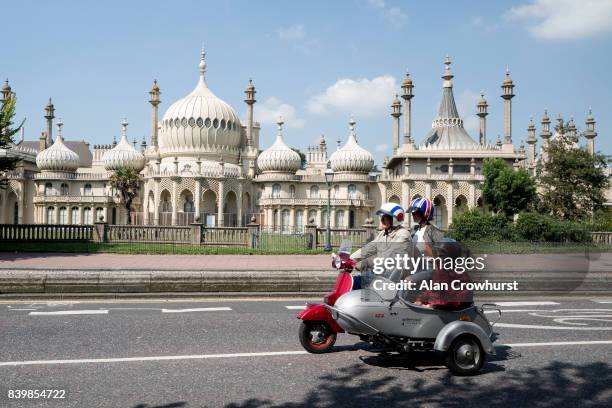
<point>117,274</point>
<point>245,353</point>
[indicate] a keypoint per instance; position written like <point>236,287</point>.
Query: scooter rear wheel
<point>465,356</point>
<point>316,337</point>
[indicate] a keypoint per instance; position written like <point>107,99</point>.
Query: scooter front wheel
<point>316,337</point>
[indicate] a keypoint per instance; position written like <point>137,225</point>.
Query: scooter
<point>464,336</point>
<point>318,330</point>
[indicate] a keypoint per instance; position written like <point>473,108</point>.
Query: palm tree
<point>7,131</point>
<point>127,182</point>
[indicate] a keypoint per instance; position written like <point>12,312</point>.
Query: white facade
<point>203,162</point>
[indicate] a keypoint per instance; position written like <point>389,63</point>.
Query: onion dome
<point>123,155</point>
<point>200,122</point>
<point>279,157</point>
<point>58,157</point>
<point>352,157</point>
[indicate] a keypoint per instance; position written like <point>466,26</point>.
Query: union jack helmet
<point>424,205</point>
<point>394,210</point>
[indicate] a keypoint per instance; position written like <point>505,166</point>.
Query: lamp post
<point>329,178</point>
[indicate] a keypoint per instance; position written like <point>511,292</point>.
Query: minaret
<point>590,133</point>
<point>396,112</point>
<point>531,142</point>
<point>49,116</point>
<point>154,101</point>
<point>482,114</point>
<point>250,101</point>
<point>407,96</point>
<point>507,95</point>
<point>571,130</point>
<point>545,135</point>
<point>6,90</point>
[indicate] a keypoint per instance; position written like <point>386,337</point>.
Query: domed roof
<point>58,157</point>
<point>123,155</point>
<point>279,157</point>
<point>200,122</point>
<point>352,157</point>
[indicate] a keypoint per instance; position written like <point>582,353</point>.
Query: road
<point>245,353</point>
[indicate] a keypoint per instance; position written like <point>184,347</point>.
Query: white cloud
<point>269,111</point>
<point>466,105</point>
<point>394,15</point>
<point>362,97</point>
<point>382,147</point>
<point>564,19</point>
<point>294,32</point>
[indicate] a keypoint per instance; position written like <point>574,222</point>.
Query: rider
<point>422,210</point>
<point>390,238</point>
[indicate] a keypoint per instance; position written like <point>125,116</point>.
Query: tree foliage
<point>573,181</point>
<point>127,183</point>
<point>505,190</point>
<point>7,131</point>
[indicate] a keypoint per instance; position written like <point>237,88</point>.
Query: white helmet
<point>394,210</point>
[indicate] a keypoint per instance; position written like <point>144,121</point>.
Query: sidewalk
<point>53,273</point>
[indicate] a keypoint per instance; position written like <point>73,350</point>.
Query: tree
<point>507,191</point>
<point>127,182</point>
<point>573,181</point>
<point>302,157</point>
<point>7,131</point>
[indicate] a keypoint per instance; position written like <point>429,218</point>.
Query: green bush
<point>475,226</point>
<point>541,227</point>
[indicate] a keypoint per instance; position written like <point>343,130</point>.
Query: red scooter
<point>318,330</point>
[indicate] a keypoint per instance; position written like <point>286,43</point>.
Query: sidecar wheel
<point>465,356</point>
<point>316,337</point>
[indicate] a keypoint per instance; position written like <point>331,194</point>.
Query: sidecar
<point>464,334</point>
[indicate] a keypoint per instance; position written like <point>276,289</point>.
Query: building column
<point>450,203</point>
<point>319,220</point>
<point>174,201</point>
<point>220,203</point>
<point>156,203</point>
<point>239,205</point>
<point>145,208</point>
<point>396,112</point>
<point>428,190</point>
<point>507,95</point>
<point>405,194</point>
<point>197,198</point>
<point>472,197</point>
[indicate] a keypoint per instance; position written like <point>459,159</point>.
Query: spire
<point>280,123</point>
<point>124,125</point>
<point>448,76</point>
<point>203,65</point>
<point>59,129</point>
<point>6,90</point>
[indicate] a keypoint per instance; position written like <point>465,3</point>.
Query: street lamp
<point>329,178</point>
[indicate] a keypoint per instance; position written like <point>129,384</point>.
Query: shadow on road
<point>557,384</point>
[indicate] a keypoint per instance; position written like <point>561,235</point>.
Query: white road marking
<point>199,309</point>
<point>533,326</point>
<point>296,307</point>
<point>262,354</point>
<point>601,300</point>
<point>528,303</point>
<point>546,310</point>
<point>23,309</point>
<point>69,312</point>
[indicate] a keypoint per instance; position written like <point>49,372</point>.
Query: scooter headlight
<point>338,262</point>
<point>335,314</point>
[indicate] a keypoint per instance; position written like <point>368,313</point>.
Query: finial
<point>280,124</point>
<point>447,73</point>
<point>59,129</point>
<point>134,142</point>
<point>202,63</point>
<point>124,124</point>
<point>507,71</point>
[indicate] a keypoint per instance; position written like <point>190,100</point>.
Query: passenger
<point>388,241</point>
<point>422,210</point>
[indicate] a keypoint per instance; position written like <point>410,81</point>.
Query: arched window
<point>276,189</point>
<point>336,191</point>
<point>51,215</point>
<point>87,190</point>
<point>352,191</point>
<point>74,216</point>
<point>314,192</point>
<point>292,191</point>
<point>64,189</point>
<point>312,217</point>
<point>285,221</point>
<point>188,206</point>
<point>340,219</point>
<point>63,215</point>
<point>48,189</point>
<point>99,214</point>
<point>367,193</point>
<point>87,216</point>
<point>299,220</point>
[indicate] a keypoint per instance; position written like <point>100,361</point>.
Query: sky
<point>316,63</point>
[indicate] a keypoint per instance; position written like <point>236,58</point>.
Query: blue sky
<point>315,62</point>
